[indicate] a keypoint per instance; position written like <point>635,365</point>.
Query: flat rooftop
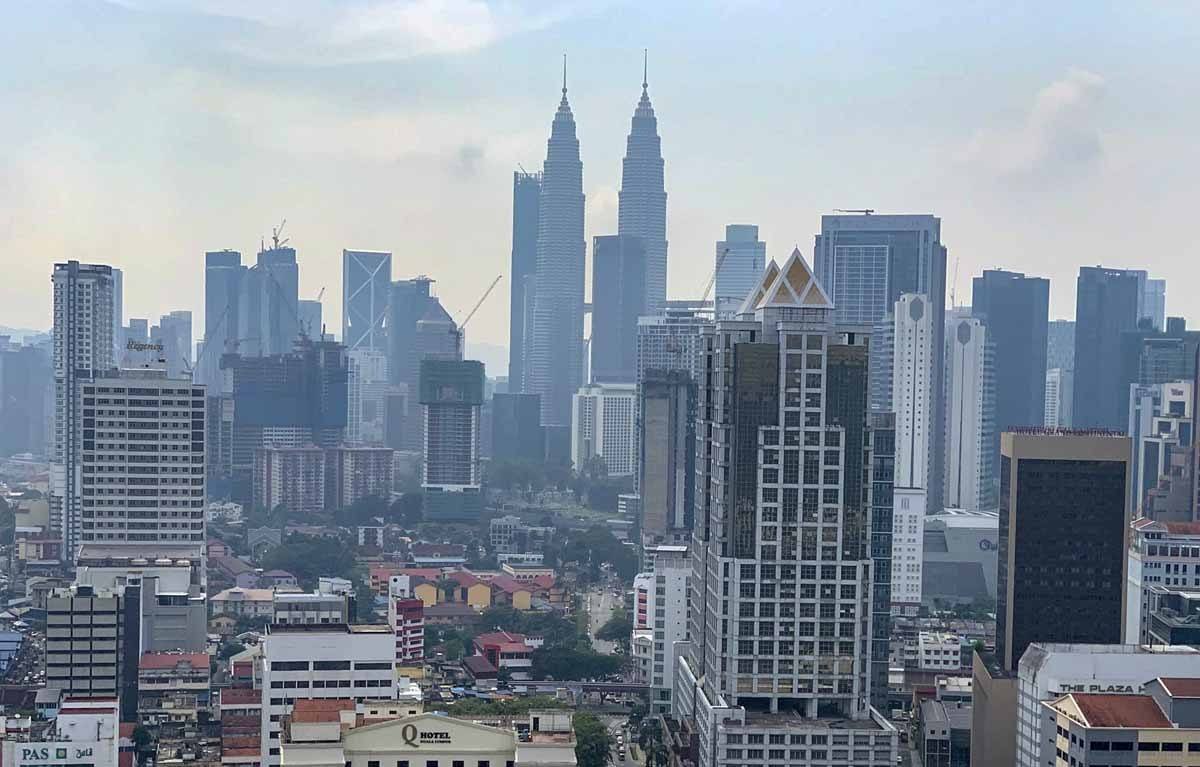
<point>793,720</point>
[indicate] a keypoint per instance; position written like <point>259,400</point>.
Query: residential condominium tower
<point>555,363</point>
<point>451,398</point>
<point>781,587</point>
<point>642,204</point>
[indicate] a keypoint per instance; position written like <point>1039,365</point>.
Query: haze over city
<point>145,133</point>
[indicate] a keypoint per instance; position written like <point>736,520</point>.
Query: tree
<point>593,742</point>
<point>141,738</point>
<point>363,511</point>
<point>618,629</point>
<point>573,663</point>
<point>308,558</point>
<point>230,649</point>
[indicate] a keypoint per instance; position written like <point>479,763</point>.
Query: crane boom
<point>479,303</point>
<point>713,279</point>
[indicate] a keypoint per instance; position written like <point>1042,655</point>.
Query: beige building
<point>337,733</point>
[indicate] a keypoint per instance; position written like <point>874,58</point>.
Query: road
<point>600,605</point>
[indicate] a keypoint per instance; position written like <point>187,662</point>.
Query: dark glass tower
<point>642,208</point>
<point>527,190</point>
<point>555,369</point>
<point>619,273</point>
<point>1016,310</point>
<point>1106,304</point>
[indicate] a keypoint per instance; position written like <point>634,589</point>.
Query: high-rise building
<point>83,344</point>
<point>1057,413</point>
<point>1149,357</point>
<point>290,476</point>
<point>908,549</point>
<point>279,303</point>
<point>780,620</point>
<point>619,272</point>
<point>671,341</point>
<point>642,204</point>
<point>93,644</point>
<point>1154,303</point>
<point>118,311</point>
<point>312,318</point>
<point>173,334</point>
<point>1016,310</point>
<point>1160,422</point>
<point>667,450</point>
<point>451,398</point>
<point>366,390</point>
<point>604,425</point>
<point>366,297</point>
<point>971,460</point>
<point>353,472</point>
<point>516,428</point>
<point>26,398</point>
<point>223,278</point>
<point>142,459</point>
<point>867,262</point>
<point>1106,304</point>
<point>661,618</point>
<point>527,190</point>
<point>914,383</point>
<point>1064,529</point>
<point>555,363</point>
<point>1160,561</point>
<point>883,364</point>
<point>742,258</point>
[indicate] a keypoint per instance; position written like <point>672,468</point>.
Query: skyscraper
<point>279,303</point>
<point>667,451</point>
<point>83,346</point>
<point>312,320</point>
<point>913,393</point>
<point>779,648</point>
<point>366,293</point>
<point>516,428</point>
<point>742,258</point>
<point>1154,303</point>
<point>1106,304</point>
<point>223,278</point>
<point>118,311</point>
<point>971,461</point>
<point>174,334</point>
<point>527,189</point>
<point>410,302</point>
<point>619,273</point>
<point>26,399</point>
<point>451,398</point>
<point>1016,309</point>
<point>642,206</point>
<point>555,368</point>
<point>603,425</point>
<point>1064,527</point>
<point>867,262</point>
<point>1060,372</point>
<point>366,394</point>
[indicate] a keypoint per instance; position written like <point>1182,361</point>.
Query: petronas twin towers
<point>554,361</point>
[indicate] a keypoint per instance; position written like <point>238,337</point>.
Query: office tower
<point>410,301</point>
<point>396,412</point>
<point>223,276</point>
<point>660,619</point>
<point>1154,304</point>
<point>742,258</point>
<point>451,396</point>
<point>92,643</point>
<point>1106,304</point>
<point>882,364</point>
<point>171,340</point>
<point>26,398</point>
<point>83,326</point>
<point>1060,344</point>
<point>285,400</point>
<point>118,311</point>
<point>1015,309</point>
<point>279,305</point>
<point>1160,429</point>
<point>366,298</point>
<point>667,448</point>
<point>642,205</point>
<point>881,442</point>
<point>604,425</point>
<point>619,272</point>
<point>348,662</point>
<point>913,395</point>
<point>1064,526</point>
<point>290,476</point>
<point>353,472</point>
<point>1149,357</point>
<point>142,459</point>
<point>778,621</point>
<point>971,421</point>
<point>312,319</point>
<point>516,430</point>
<point>527,189</point>
<point>671,341</point>
<point>1057,405</point>
<point>366,390</point>
<point>437,337</point>
<point>867,262</point>
<point>555,362</point>
<point>218,444</point>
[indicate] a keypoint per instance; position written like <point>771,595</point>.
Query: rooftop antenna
<point>564,77</point>
<point>645,67</point>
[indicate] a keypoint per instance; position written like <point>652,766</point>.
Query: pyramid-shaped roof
<point>764,283</point>
<point>795,286</point>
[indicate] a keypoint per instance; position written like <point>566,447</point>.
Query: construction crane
<point>954,284</point>
<point>462,325</point>
<point>320,294</point>
<point>713,279</point>
<point>864,211</point>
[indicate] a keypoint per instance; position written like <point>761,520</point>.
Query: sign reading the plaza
<point>416,737</point>
<point>1117,689</point>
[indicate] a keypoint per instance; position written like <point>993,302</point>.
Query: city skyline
<point>1043,149</point>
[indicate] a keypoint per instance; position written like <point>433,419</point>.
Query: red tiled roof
<point>1106,710</point>
<point>463,578</point>
<point>1182,528</point>
<point>1181,687</point>
<point>320,710</point>
<point>169,660</point>
<point>234,695</point>
<point>506,641</point>
<point>510,585</point>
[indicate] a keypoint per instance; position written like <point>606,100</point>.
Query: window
<point>457,763</point>
<point>373,763</point>
<point>1147,746</point>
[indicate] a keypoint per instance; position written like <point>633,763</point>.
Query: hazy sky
<point>142,133</point>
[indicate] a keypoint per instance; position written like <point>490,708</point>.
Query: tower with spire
<point>642,209</point>
<point>555,368</point>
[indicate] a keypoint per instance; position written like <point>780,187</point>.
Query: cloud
<point>1057,137</point>
<point>602,205</point>
<point>468,160</point>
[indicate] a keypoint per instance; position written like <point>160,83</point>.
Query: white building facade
<point>1162,555</point>
<point>908,549</point>
<point>604,423</point>
<point>970,472</point>
<point>912,390</point>
<point>366,393</point>
<point>741,257</point>
<point>660,618</point>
